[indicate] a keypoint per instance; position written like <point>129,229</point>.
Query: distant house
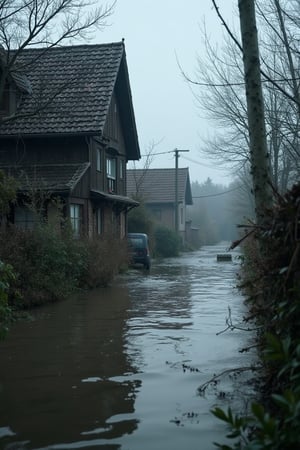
<point>157,189</point>
<point>67,130</point>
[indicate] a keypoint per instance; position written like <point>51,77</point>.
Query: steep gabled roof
<point>158,185</point>
<point>71,90</point>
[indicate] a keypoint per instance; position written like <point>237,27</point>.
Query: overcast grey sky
<point>165,110</point>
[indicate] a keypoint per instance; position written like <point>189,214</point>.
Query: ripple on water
<point>119,368</point>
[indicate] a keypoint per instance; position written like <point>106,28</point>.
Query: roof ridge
<point>44,165</point>
<point>64,47</point>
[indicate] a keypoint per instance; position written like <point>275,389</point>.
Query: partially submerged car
<point>139,249</point>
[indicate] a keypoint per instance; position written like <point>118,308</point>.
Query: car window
<point>137,242</point>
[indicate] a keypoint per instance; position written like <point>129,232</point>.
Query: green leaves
<point>237,425</point>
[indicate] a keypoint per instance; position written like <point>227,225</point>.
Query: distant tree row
<point>218,209</point>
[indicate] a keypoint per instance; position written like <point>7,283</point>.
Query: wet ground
<point>119,368</point>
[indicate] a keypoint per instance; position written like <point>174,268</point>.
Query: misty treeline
<point>218,209</point>
<point>220,91</point>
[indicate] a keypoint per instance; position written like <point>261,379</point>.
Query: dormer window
<point>16,84</point>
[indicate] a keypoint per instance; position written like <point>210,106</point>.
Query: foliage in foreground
<point>50,265</point>
<point>272,281</point>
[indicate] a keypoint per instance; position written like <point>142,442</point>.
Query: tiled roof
<point>48,177</point>
<point>71,89</point>
<point>158,185</point>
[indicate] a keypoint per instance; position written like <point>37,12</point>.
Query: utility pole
<point>176,151</point>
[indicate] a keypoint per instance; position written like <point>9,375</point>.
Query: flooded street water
<point>119,368</point>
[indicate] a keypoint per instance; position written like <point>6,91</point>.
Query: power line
<point>154,154</point>
<point>216,195</point>
<point>184,157</point>
<point>202,164</point>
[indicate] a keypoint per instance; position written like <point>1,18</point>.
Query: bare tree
<point>282,61</point>
<point>220,94</point>
<point>139,175</point>
<point>219,89</point>
<point>44,23</point>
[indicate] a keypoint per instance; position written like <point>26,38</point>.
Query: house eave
<point>113,198</point>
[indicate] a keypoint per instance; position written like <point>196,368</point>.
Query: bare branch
<point>216,377</point>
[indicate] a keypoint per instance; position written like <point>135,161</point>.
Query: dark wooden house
<point>157,189</point>
<point>67,130</point>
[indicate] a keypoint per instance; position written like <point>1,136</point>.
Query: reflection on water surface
<point>118,368</point>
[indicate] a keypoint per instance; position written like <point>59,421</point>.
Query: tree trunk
<point>259,157</point>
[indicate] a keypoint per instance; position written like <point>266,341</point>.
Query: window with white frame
<point>111,174</point>
<point>76,218</point>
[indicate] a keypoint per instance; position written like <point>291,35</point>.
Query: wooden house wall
<point>166,214</point>
<point>113,126</point>
<point>82,188</point>
<point>97,178</point>
<point>114,147</point>
<point>79,149</point>
<point>114,134</point>
<point>44,150</point>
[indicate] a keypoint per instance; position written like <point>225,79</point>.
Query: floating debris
<point>224,257</point>
<point>91,380</point>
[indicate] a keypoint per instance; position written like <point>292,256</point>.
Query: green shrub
<point>49,264</point>
<point>8,192</point>
<point>167,242</point>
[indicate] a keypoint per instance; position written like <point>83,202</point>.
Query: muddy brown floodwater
<point>119,368</point>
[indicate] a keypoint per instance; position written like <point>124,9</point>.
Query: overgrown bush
<point>7,276</point>
<point>271,278</point>
<point>51,264</point>
<point>167,242</point>
<point>105,258</point>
